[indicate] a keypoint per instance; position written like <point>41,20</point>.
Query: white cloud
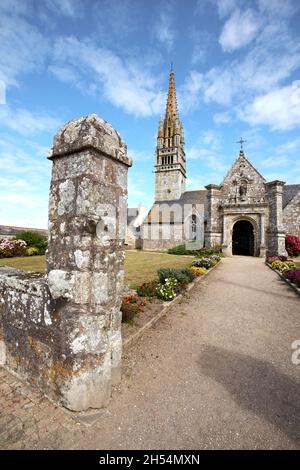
<point>222,118</point>
<point>127,85</point>
<point>280,108</point>
<point>24,183</point>
<point>277,8</point>
<point>225,7</point>
<point>289,147</point>
<point>2,92</point>
<point>246,83</point>
<point>273,162</point>
<point>139,156</point>
<point>202,42</point>
<point>207,149</point>
<point>69,8</point>
<point>163,28</point>
<point>239,30</point>
<point>26,122</point>
<point>189,93</point>
<point>23,47</point>
<point>25,210</point>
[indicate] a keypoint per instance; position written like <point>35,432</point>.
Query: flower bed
<point>170,283</point>
<point>287,269</point>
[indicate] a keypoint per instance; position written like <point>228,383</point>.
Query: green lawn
<point>30,263</point>
<point>140,266</point>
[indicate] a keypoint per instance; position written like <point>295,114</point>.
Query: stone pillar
<point>262,249</point>
<point>87,223</point>
<point>276,234</point>
<point>213,233</point>
<point>226,242</point>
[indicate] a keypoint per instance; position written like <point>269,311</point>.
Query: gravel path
<point>215,373</point>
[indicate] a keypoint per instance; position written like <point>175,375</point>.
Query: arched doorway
<point>243,238</point>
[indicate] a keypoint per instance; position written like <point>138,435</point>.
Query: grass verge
<point>140,266</point>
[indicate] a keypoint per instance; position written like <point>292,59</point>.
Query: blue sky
<point>236,67</point>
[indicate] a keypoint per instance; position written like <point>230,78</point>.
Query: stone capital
<point>90,132</point>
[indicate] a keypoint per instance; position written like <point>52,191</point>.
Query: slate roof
<point>188,197</point>
<point>289,192</point>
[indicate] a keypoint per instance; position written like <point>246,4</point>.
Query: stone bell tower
<point>170,165</point>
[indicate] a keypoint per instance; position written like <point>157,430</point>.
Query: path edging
<point>166,308</point>
<point>293,286</point>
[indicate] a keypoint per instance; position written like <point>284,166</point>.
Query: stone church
<point>245,214</point>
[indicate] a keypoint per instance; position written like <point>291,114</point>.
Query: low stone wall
<point>62,332</point>
<point>25,321</point>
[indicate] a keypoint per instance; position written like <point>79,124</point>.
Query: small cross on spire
<point>241,141</point>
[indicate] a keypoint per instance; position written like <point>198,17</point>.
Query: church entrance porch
<point>243,238</point>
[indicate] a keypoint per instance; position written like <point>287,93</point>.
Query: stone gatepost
<point>213,231</point>
<point>87,224</point>
<point>276,233</point>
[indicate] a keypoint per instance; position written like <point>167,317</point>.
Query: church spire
<point>170,131</point>
<point>170,156</point>
<point>171,108</point>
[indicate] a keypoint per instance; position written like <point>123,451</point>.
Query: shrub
<point>34,239</point>
<point>198,271</point>
<point>283,266</point>
<point>168,290</point>
<point>189,273</point>
<point>292,244</point>
<point>213,259</point>
<point>10,248</point>
<point>32,251</point>
<point>131,306</point>
<point>178,250</point>
<point>148,289</point>
<point>205,251</point>
<point>210,250</point>
<point>293,275</point>
<point>202,263</point>
<point>182,275</point>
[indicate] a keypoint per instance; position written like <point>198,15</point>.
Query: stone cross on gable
<point>241,141</point>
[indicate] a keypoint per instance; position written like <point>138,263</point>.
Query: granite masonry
<point>62,332</point>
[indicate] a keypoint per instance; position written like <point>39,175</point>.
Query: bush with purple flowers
<point>293,275</point>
